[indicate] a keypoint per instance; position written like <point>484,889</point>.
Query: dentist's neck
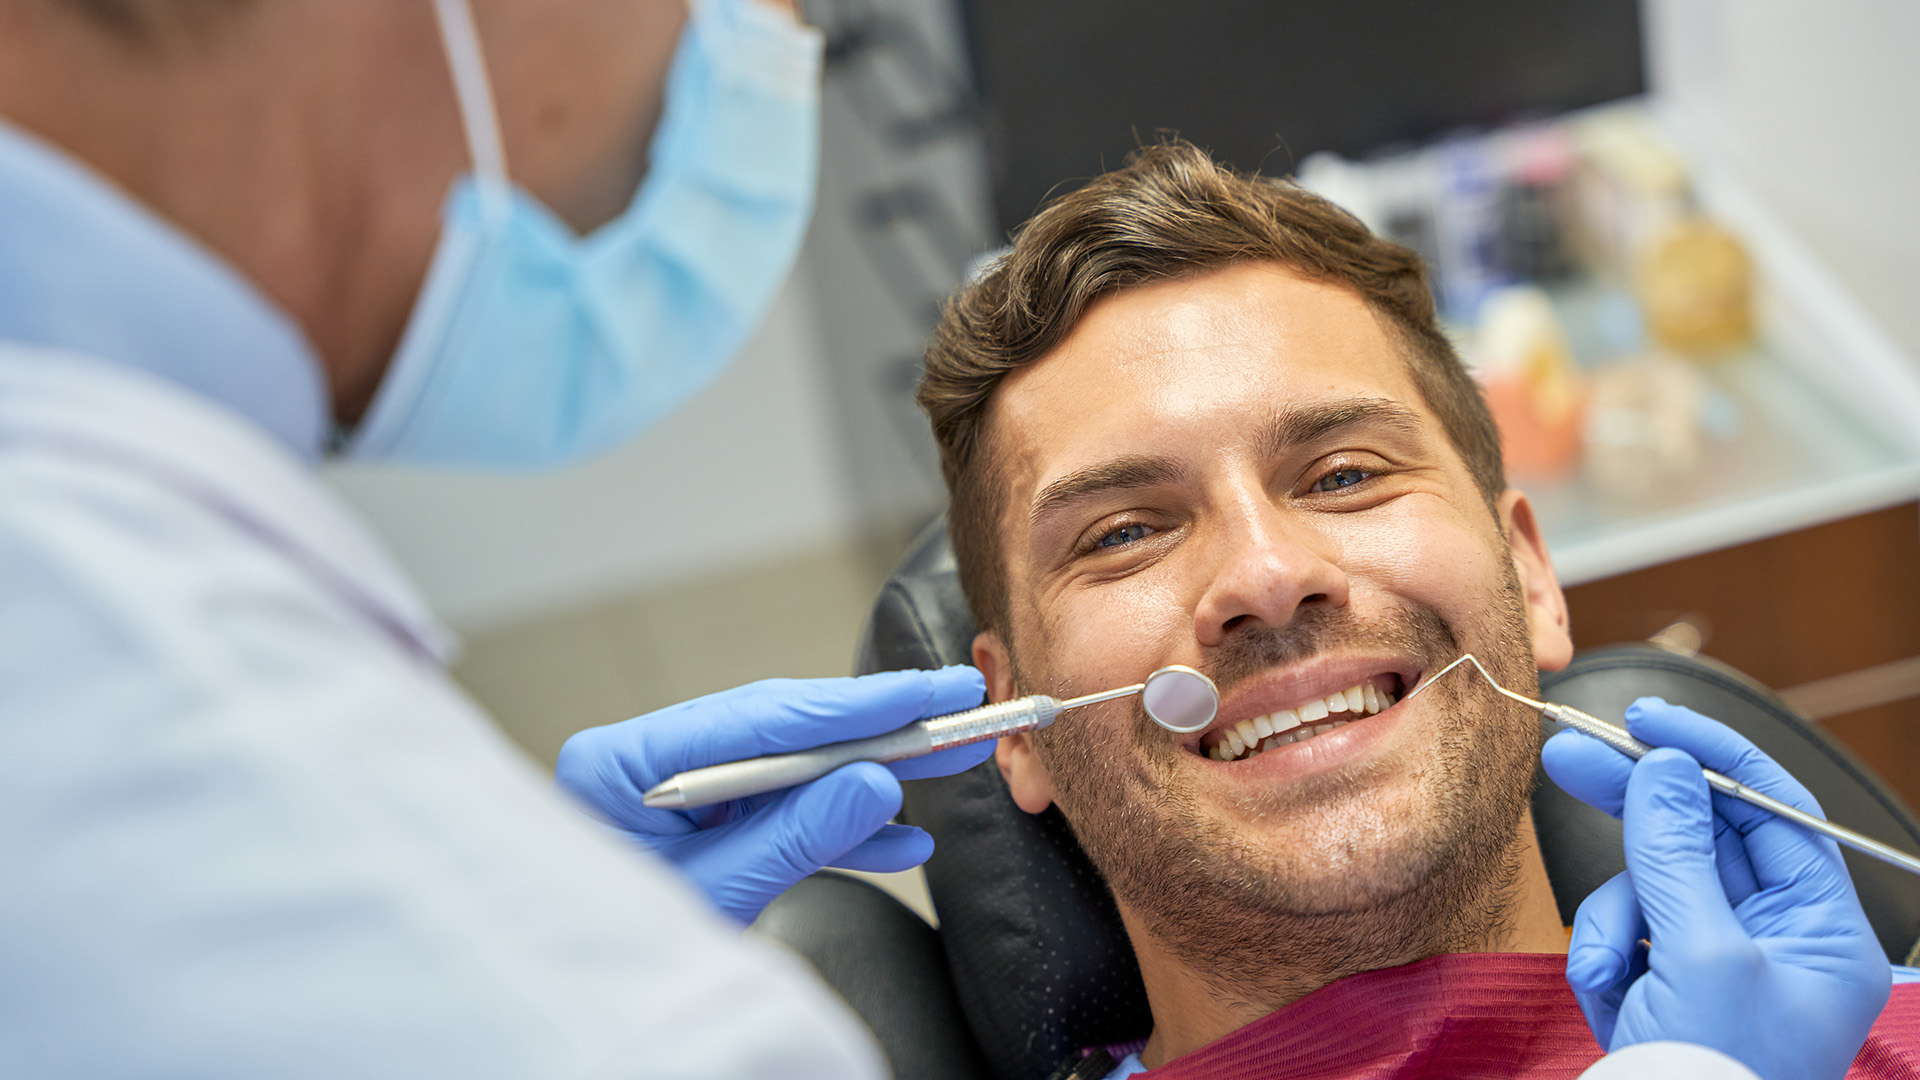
<point>306,142</point>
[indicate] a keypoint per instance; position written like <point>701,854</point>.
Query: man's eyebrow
<point>1303,424</point>
<point>1117,475</point>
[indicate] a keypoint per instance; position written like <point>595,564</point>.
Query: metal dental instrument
<point>1587,724</point>
<point>1177,698</point>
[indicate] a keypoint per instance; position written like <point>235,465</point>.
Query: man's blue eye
<point>1125,534</point>
<point>1340,478</point>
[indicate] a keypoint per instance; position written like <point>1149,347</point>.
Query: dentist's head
<point>515,231</point>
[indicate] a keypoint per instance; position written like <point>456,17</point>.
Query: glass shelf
<point>1783,451</point>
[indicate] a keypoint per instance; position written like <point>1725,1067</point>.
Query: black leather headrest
<point>1039,959</point>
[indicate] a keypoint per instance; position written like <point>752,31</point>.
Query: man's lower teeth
<point>1299,734</point>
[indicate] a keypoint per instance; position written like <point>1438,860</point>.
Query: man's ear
<point>1547,620</point>
<point>1019,763</point>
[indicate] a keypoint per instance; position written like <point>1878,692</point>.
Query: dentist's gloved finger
<point>945,763</point>
<point>840,811</point>
<point>956,687</point>
<point>803,830</point>
<point>1670,852</point>
<point>1779,852</point>
<point>1737,878</point>
<point>1606,955</point>
<point>1602,1011</point>
<point>1597,774</point>
<point>1606,937</point>
<point>1588,770</point>
<point>893,849</point>
<point>781,715</point>
<point>1720,748</point>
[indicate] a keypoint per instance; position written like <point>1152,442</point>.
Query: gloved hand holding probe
<point>1759,948</point>
<point>745,852</point>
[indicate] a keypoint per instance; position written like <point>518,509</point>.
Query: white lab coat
<point>248,826</point>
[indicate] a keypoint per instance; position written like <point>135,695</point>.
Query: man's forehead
<point>1193,365</point>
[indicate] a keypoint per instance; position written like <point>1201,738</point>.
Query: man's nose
<point>1268,567</point>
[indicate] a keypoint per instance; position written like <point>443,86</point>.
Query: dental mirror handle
<point>1617,738</point>
<point>757,776</point>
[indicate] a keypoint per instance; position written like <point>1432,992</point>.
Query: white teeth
<point>1286,726</point>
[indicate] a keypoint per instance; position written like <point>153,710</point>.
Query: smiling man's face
<point>1235,471</point>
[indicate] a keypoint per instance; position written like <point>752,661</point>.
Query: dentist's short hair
<point>1170,212</point>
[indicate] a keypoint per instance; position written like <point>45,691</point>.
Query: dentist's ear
<point>1019,763</point>
<point>1547,620</point>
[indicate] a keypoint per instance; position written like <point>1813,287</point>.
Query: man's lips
<point>1291,702</point>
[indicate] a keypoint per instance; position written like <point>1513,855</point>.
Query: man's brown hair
<point>1170,212</point>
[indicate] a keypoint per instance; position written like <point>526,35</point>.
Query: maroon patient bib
<point>1467,1016</point>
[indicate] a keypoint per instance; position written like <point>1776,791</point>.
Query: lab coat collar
<point>84,266</point>
<point>112,416</point>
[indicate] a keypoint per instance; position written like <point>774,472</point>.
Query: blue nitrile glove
<point>745,852</point>
<point>1759,947</point>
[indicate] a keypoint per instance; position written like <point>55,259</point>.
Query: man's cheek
<point>1439,564</point>
<point>1114,633</point>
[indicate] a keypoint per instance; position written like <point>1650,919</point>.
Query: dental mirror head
<point>1180,699</point>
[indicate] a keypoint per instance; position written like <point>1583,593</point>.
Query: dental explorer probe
<point>1177,698</point>
<point>1619,739</point>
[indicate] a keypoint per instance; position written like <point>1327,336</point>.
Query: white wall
<point>746,473</point>
<point>1817,102</point>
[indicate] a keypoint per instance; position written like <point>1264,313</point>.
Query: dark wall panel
<point>1070,86</point>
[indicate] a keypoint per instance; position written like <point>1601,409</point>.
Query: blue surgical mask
<point>532,346</point>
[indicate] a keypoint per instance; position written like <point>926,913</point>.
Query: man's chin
<point>1325,866</point>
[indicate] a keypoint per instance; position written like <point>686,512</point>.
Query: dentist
<point>249,826</point>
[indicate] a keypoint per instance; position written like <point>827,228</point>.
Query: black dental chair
<point>1030,965</point>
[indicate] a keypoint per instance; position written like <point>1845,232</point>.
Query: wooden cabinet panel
<point>1787,610</point>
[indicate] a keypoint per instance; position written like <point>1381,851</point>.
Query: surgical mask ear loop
<point>478,116</point>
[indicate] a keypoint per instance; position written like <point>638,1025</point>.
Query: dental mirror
<point>1180,699</point>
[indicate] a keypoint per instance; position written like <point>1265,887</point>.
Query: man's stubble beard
<point>1363,881</point>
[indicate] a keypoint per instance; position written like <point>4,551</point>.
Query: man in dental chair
<point>1195,417</point>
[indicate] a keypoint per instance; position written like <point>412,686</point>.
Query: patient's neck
<point>1192,1008</point>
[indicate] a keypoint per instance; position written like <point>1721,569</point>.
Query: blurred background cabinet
<point>1830,615</point>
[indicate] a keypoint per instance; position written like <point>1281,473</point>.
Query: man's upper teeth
<point>1259,733</point>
